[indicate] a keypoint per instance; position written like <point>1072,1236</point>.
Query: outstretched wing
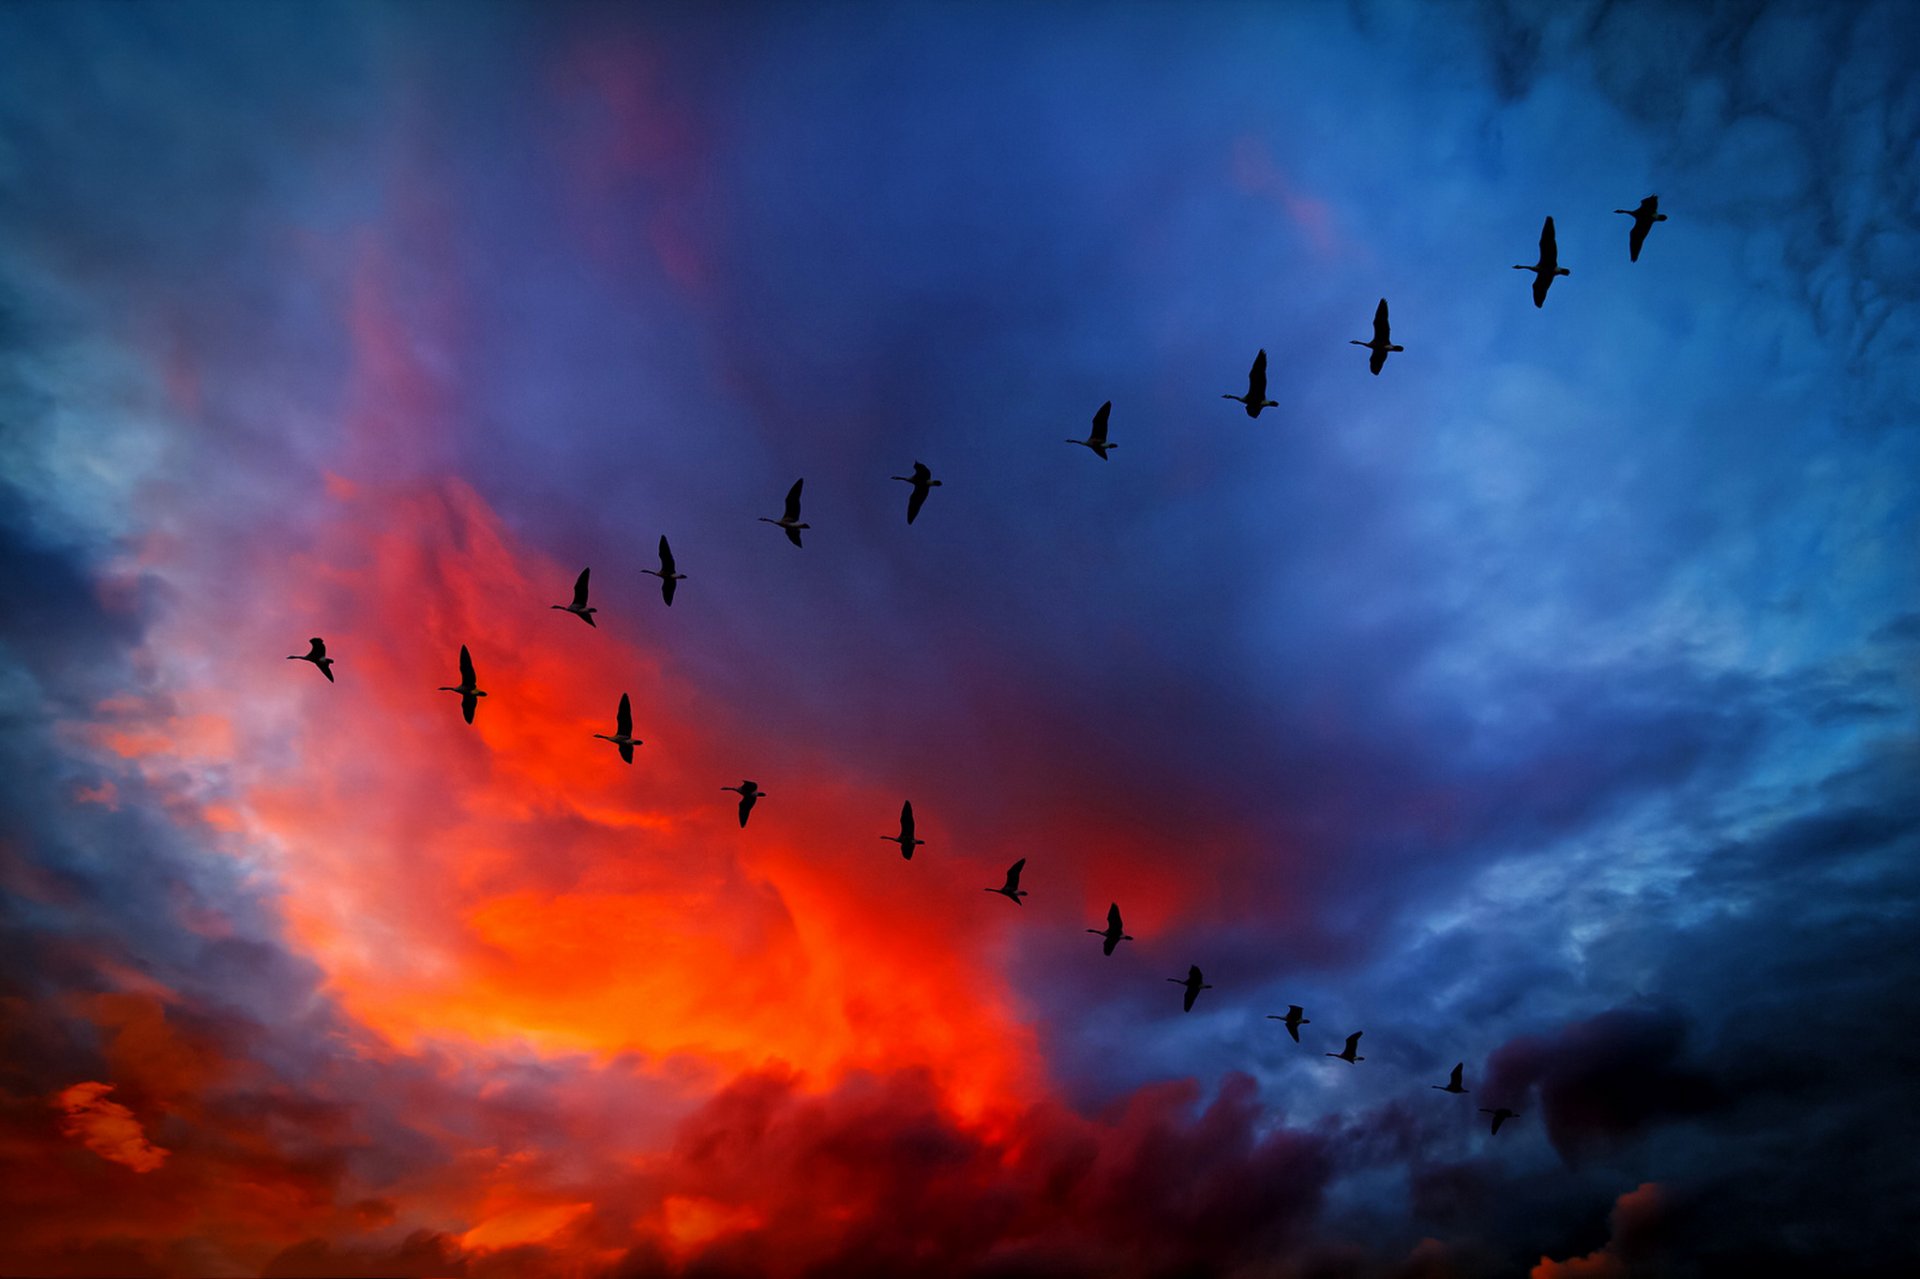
<point>623,719</point>
<point>1113,918</point>
<point>1100,423</point>
<point>1382,332</point>
<point>318,650</point>
<point>580,589</point>
<point>906,821</point>
<point>793,502</point>
<point>666,589</point>
<point>922,473</point>
<point>1542,281</point>
<point>1013,876</point>
<point>917,498</point>
<point>466,673</point>
<point>467,702</point>
<point>1548,249</point>
<point>666,556</point>
<point>1257,379</point>
<point>1637,237</point>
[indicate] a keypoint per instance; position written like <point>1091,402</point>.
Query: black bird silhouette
<point>1011,890</point>
<point>749,792</point>
<point>905,838</point>
<point>622,735</point>
<point>1547,267</point>
<point>1256,397</point>
<point>1111,933</point>
<point>1350,1053</point>
<point>666,572</point>
<point>1643,217</point>
<point>1453,1080</point>
<point>1382,340</point>
<point>1193,984</point>
<point>922,481</point>
<point>579,606</point>
<point>790,521</point>
<point>1296,1018</point>
<point>1500,1116</point>
<point>1097,440</point>
<point>468,687</point>
<point>317,655</point>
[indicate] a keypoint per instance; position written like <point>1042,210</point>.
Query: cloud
<point>1636,1222</point>
<point>107,1128</point>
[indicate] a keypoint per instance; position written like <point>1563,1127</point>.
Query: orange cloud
<point>107,1128</point>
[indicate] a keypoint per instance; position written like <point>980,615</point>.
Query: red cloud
<point>107,1128</point>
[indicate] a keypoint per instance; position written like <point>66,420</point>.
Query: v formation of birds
<point>1545,271</point>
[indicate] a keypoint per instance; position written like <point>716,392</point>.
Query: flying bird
<point>790,521</point>
<point>1296,1018</point>
<point>1256,397</point>
<point>922,481</point>
<point>317,655</point>
<point>1193,984</point>
<point>665,572</point>
<point>1351,1052</point>
<point>622,730</point>
<point>468,687</point>
<point>1382,340</point>
<point>1500,1116</point>
<point>1453,1080</point>
<point>579,606</point>
<point>905,838</point>
<point>1011,890</point>
<point>1097,440</point>
<point>749,792</point>
<point>1111,934</point>
<point>1547,267</point>
<point>1643,217</point>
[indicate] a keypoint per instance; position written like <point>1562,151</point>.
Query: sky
<point>1547,703</point>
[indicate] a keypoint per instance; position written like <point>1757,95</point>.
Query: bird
<point>1256,397</point>
<point>1296,1018</point>
<point>790,521</point>
<point>1453,1080</point>
<point>1350,1053</point>
<point>1643,217</point>
<point>468,688</point>
<point>622,730</point>
<point>1011,890</point>
<point>317,655</point>
<point>579,606</point>
<point>1547,267</point>
<point>1097,440</point>
<point>1500,1116</point>
<point>905,838</point>
<point>1193,984</point>
<point>749,791</point>
<point>1382,340</point>
<point>1111,933</point>
<point>922,481</point>
<point>666,572</point>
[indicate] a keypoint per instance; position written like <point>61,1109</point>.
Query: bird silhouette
<point>1500,1116</point>
<point>579,606</point>
<point>1296,1018</point>
<point>923,482</point>
<point>1097,439</point>
<point>1193,984</point>
<point>1011,890</point>
<point>1643,217</point>
<point>468,687</point>
<point>1351,1052</point>
<point>905,838</point>
<point>1547,267</point>
<point>749,792</point>
<point>1453,1080</point>
<point>1111,933</point>
<point>1382,340</point>
<point>622,730</point>
<point>317,655</point>
<point>790,520</point>
<point>1256,397</point>
<point>668,577</point>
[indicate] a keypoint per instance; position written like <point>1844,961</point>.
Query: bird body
<point>1644,215</point>
<point>749,792</point>
<point>1097,438</point>
<point>905,838</point>
<point>468,687</point>
<point>622,735</point>
<point>1256,397</point>
<point>790,518</point>
<point>317,654</point>
<point>579,606</point>
<point>1453,1080</point>
<point>923,483</point>
<point>1011,890</point>
<point>1547,267</point>
<point>1382,340</point>
<point>1351,1053</point>
<point>1193,984</point>
<point>1296,1018</point>
<point>666,572</point>
<point>1111,934</point>
<point>1500,1116</point>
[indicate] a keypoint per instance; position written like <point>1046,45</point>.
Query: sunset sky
<point>1548,703</point>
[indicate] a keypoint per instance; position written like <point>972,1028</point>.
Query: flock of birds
<point>1545,271</point>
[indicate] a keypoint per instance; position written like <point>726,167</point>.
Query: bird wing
<point>793,500</point>
<point>1353,1041</point>
<point>623,720</point>
<point>1542,281</point>
<point>319,648</point>
<point>1453,1080</point>
<point>1548,249</point>
<point>666,588</point>
<point>666,555</point>
<point>1193,973</point>
<point>1113,918</point>
<point>466,671</point>
<point>467,702</point>
<point>1381,332</point>
<point>1013,876</point>
<point>1100,422</point>
<point>580,589</point>
<point>1637,237</point>
<point>921,473</point>
<point>1295,1011</point>
<point>793,535</point>
<point>906,820</point>
<point>916,500</point>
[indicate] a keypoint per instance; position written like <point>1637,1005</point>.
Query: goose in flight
<point>1256,397</point>
<point>1351,1053</point>
<point>1453,1080</point>
<point>1547,267</point>
<point>923,482</point>
<point>905,838</point>
<point>1193,984</point>
<point>1500,1116</point>
<point>622,730</point>
<point>1296,1018</point>
<point>1382,340</point>
<point>666,572</point>
<point>1111,935</point>
<point>1097,440</point>
<point>1643,217</point>
<point>790,521</point>
<point>1011,890</point>
<point>749,792</point>
<point>468,687</point>
<point>317,655</point>
<point>579,606</point>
